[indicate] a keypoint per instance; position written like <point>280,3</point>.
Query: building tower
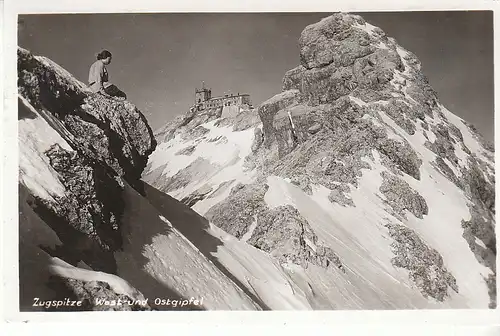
<point>202,94</point>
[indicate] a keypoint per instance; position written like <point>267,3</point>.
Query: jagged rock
<point>327,84</point>
<point>479,228</point>
<point>402,155</point>
<point>398,111</point>
<point>98,296</point>
<point>196,132</point>
<point>245,119</point>
<point>334,40</point>
<point>293,79</point>
<point>303,182</point>
<point>326,257</point>
<point>270,108</point>
<point>286,235</point>
<point>338,195</point>
<point>281,231</point>
<point>111,139</point>
<point>427,270</point>
<point>401,196</point>
<point>477,187</point>
<point>257,140</point>
<point>443,167</point>
<point>444,145</point>
<point>220,139</point>
<point>196,196</point>
<point>187,150</point>
<point>86,206</point>
<point>236,214</point>
<point>106,130</point>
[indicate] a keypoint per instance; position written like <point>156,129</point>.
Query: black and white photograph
<point>275,161</point>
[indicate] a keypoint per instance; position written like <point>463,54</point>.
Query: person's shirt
<point>98,75</point>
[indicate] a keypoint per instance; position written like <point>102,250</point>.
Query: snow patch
<point>480,243</point>
<point>381,45</point>
<point>431,135</point>
<point>391,133</point>
<point>250,231</point>
<point>291,121</point>
<point>452,167</point>
<point>35,137</point>
<point>358,101</point>
<point>118,285</point>
<point>367,27</point>
<point>376,123</point>
<point>469,140</point>
<point>229,154</point>
<point>262,274</point>
<point>165,155</point>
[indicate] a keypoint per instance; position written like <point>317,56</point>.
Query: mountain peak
<point>356,149</point>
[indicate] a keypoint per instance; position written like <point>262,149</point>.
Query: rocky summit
<point>353,188</point>
<point>361,188</point>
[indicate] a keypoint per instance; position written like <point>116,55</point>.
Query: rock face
<point>355,165</point>
<point>111,132</point>
<point>110,140</point>
<point>101,141</point>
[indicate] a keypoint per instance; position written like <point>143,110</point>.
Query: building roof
<point>233,96</point>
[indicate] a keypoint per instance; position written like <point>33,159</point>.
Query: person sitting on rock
<point>98,77</point>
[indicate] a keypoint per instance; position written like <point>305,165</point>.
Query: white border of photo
<point>421,322</point>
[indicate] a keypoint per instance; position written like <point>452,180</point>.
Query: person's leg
<point>114,91</point>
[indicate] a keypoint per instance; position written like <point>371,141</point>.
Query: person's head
<point>104,56</point>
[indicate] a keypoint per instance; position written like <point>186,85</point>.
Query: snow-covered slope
<point>354,188</point>
<point>39,243</point>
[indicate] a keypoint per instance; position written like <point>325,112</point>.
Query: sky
<point>159,58</point>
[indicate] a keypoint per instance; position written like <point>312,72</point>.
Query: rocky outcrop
<point>287,236</point>
<point>112,132</point>
<point>104,143</point>
<point>280,231</point>
<point>96,296</point>
<point>400,196</point>
<point>337,107</point>
<point>111,140</point>
<point>196,196</point>
<point>186,150</point>
<point>427,270</point>
<point>236,215</point>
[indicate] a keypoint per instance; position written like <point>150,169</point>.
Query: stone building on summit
<point>204,99</point>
